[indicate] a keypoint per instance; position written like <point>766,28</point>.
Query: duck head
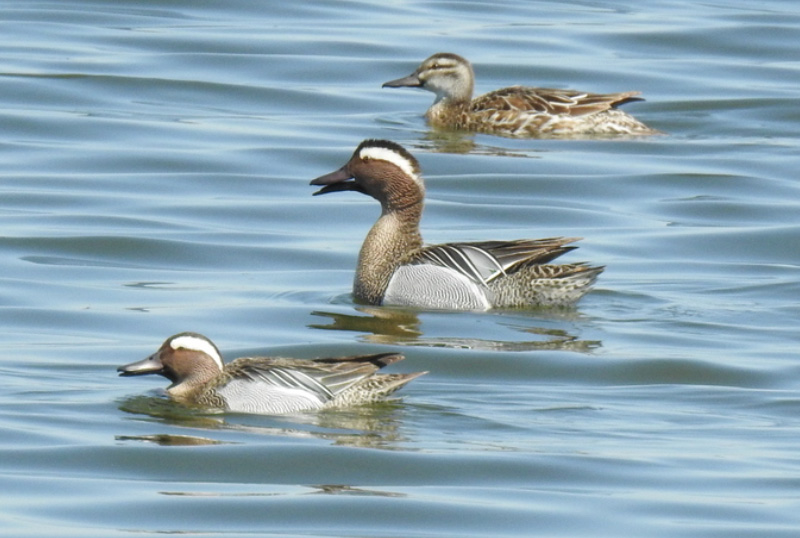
<point>187,359</point>
<point>447,75</point>
<point>381,169</point>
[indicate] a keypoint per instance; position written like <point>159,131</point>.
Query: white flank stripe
<point>197,344</point>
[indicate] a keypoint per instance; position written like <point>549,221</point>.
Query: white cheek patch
<point>385,154</point>
<point>197,344</point>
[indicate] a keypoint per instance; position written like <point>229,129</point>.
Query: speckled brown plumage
<point>518,111</point>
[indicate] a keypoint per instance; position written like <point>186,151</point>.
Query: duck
<point>266,385</point>
<point>395,267</point>
<point>517,111</point>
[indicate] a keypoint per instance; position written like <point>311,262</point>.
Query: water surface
<point>155,166</point>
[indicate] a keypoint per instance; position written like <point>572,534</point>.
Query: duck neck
<point>389,244</point>
<point>187,388</point>
<point>446,107</point>
<point>453,93</point>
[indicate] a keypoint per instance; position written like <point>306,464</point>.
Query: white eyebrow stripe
<point>197,344</point>
<point>385,154</point>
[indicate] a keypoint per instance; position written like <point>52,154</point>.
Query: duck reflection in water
<point>369,426</point>
<point>402,327</point>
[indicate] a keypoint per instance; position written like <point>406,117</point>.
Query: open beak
<point>411,80</point>
<point>340,180</point>
<point>150,365</point>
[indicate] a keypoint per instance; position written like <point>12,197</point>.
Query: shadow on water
<point>392,326</point>
<point>368,426</point>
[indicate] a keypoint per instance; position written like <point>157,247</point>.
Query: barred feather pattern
<point>485,261</point>
<point>509,273</point>
<point>544,285</point>
<point>280,385</point>
<point>372,389</point>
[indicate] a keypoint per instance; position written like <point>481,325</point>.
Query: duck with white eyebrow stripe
<point>394,268</point>
<point>197,343</point>
<point>266,385</point>
<point>406,163</point>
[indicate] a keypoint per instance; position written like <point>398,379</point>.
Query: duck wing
<point>549,101</point>
<point>322,378</point>
<point>484,261</point>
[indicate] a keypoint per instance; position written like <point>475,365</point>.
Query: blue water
<point>154,168</point>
